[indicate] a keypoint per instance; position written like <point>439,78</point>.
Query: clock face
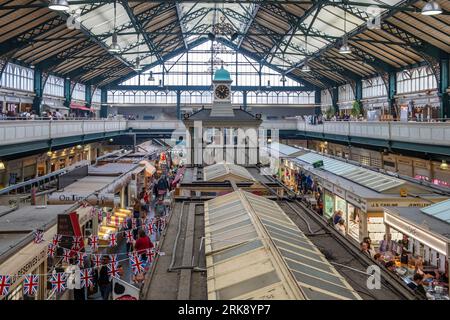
<point>222,92</point>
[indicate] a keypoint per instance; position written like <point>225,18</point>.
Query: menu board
<point>376,228</point>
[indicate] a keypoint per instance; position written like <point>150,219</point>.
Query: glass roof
<point>367,178</point>
<point>243,264</point>
<point>439,210</point>
<point>225,171</point>
<point>196,19</point>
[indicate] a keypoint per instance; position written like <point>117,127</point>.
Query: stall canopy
<point>439,210</point>
<point>284,149</point>
<point>367,178</point>
<point>79,107</point>
<point>254,251</point>
<point>226,171</point>
<point>149,168</point>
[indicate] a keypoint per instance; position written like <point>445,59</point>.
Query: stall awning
<point>149,168</point>
<point>79,107</point>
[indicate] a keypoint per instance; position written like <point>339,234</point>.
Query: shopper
<point>142,244</point>
<point>417,285</point>
<point>73,280</point>
<point>104,282</point>
<point>337,216</point>
<point>365,249</point>
<point>340,226</point>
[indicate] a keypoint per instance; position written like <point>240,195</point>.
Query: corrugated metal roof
<point>254,251</point>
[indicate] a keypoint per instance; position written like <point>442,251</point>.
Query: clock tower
<point>221,101</point>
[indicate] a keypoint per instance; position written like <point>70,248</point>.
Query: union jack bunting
<point>5,283</point>
<point>163,223</point>
<point>76,243</point>
<point>92,213</point>
<point>143,221</point>
<point>108,217</point>
<point>58,282</point>
<point>124,224</point>
<point>80,256</point>
<point>112,239</point>
<point>100,215</point>
<point>150,254</point>
<point>38,236</point>
<point>137,265</point>
<point>97,260</point>
<point>150,228</point>
<point>93,242</point>
<point>56,239</point>
<point>86,278</point>
<point>113,270</point>
<point>51,250</point>
<point>66,255</point>
<point>129,236</point>
<point>133,223</point>
<point>113,258</point>
<point>116,221</point>
<point>30,284</point>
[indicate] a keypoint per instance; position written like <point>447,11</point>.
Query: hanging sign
<point>102,199</point>
<point>124,291</point>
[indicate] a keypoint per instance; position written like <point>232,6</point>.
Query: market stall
<point>426,234</point>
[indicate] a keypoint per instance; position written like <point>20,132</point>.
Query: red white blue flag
<point>137,265</point>
<point>113,270</point>
<point>112,239</point>
<point>76,243</point>
<point>51,250</point>
<point>56,239</point>
<point>38,236</point>
<point>97,260</point>
<point>129,236</point>
<point>66,255</point>
<point>30,284</point>
<point>86,278</point>
<point>58,282</point>
<point>80,256</point>
<point>94,242</point>
<point>5,284</point>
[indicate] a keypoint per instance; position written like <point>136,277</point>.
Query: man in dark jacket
<point>103,281</point>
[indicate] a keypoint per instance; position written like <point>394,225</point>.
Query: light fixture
<point>345,49</point>
<point>283,78</point>
<point>49,153</point>
<point>79,147</point>
<point>111,140</point>
<point>306,68</point>
<point>160,83</point>
<point>444,165</point>
<point>114,47</point>
<point>2,165</point>
<point>151,78</point>
<point>234,36</point>
<point>269,140</point>
<point>268,84</point>
<point>59,5</point>
<point>431,8</point>
<point>211,36</point>
<point>137,66</point>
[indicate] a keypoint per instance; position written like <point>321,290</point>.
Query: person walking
<point>104,282</point>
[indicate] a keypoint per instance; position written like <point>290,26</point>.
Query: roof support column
<point>88,96</point>
<point>67,92</point>
<point>317,101</point>
<point>335,98</point>
<point>392,89</point>
<point>178,104</point>
<point>38,91</point>
<point>104,103</point>
<point>444,83</point>
<point>244,99</point>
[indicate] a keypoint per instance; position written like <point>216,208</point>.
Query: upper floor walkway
<point>383,134</point>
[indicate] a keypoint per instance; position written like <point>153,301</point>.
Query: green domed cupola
<point>222,75</point>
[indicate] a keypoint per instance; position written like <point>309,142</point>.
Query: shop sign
<point>398,204</point>
<point>328,185</point>
<point>423,236</point>
<point>124,291</point>
<point>357,201</point>
<point>102,199</point>
<point>30,265</point>
<point>339,191</point>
